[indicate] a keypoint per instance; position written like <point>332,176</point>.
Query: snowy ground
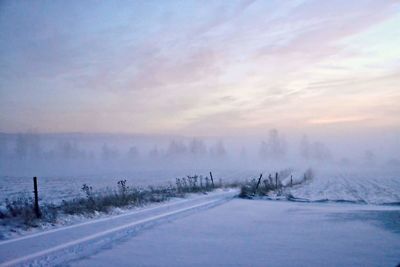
<point>352,187</point>
<point>64,243</point>
<point>371,187</point>
<point>56,188</point>
<point>323,231</point>
<point>216,230</point>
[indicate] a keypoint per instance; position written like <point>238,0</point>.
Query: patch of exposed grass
<point>277,184</point>
<point>20,211</point>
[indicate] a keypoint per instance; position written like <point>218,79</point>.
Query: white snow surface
<point>367,186</point>
<point>56,188</point>
<point>216,230</point>
<point>58,245</point>
<point>264,233</point>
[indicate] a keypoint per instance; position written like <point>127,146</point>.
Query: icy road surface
<point>265,233</point>
<point>60,245</point>
<point>219,230</point>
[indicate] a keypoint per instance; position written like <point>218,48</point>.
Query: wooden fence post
<point>276,180</point>
<point>36,204</point>
<point>212,180</point>
<point>291,180</point>
<point>258,183</point>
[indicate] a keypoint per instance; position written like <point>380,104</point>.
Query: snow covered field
<point>54,189</point>
<point>372,187</point>
<point>322,230</point>
<point>352,187</point>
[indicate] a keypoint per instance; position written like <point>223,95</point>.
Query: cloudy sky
<point>199,67</point>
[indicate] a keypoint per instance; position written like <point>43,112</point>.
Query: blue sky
<point>199,68</point>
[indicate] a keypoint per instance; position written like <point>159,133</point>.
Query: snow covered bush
<point>274,185</point>
<point>20,209</point>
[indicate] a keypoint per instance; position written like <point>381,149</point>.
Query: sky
<point>200,67</point>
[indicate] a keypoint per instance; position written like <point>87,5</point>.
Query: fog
<point>119,155</point>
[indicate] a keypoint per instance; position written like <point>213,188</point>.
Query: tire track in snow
<point>62,251</point>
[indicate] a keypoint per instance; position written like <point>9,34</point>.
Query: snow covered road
<point>67,243</point>
<point>263,233</point>
<point>239,233</point>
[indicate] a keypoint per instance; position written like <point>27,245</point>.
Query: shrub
<point>309,175</point>
<point>21,208</point>
<point>269,185</point>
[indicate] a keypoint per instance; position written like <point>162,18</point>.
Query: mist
<point>132,156</point>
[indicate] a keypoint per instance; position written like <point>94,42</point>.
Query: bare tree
<point>109,153</point>
<point>176,148</point>
<point>3,146</point>
<point>277,143</point>
<point>243,153</point>
<point>275,148</point>
<point>320,151</point>
<point>305,147</point>
<point>218,149</point>
<point>21,147</point>
<point>154,153</point>
<point>369,157</point>
<point>133,152</point>
<point>264,150</point>
<point>314,150</point>
<point>197,147</point>
<point>69,149</point>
